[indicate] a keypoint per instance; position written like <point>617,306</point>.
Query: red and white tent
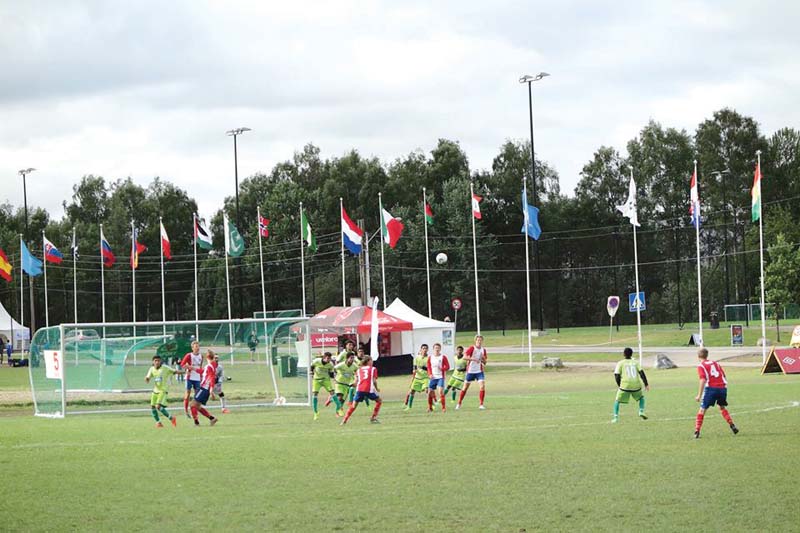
<point>355,320</point>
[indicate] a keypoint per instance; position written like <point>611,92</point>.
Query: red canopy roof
<point>343,320</point>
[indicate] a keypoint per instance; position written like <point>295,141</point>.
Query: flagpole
<point>302,260</point>
<point>527,271</point>
<point>344,297</point>
<point>228,281</point>
<point>697,246</point>
<point>264,304</point>
<point>639,304</point>
<point>75,275</point>
<point>383,264</point>
<point>427,251</point>
<point>475,259</point>
<point>761,264</point>
<point>21,297</point>
<point>103,280</point>
<point>163,298</point>
<point>134,264</point>
<point>196,304</point>
<point>46,307</point>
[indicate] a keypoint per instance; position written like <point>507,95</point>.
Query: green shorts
<point>322,383</point>
<point>342,389</point>
<point>158,398</point>
<point>623,396</point>
<point>455,383</point>
<point>419,385</point>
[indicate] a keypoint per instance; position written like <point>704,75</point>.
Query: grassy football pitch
<point>543,456</point>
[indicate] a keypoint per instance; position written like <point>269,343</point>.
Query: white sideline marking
<point>384,429</point>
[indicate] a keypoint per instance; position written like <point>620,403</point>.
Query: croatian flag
<point>694,199</point>
<point>105,251</point>
<point>351,234</point>
<point>51,253</point>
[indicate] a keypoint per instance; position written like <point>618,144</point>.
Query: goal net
<point>100,367</point>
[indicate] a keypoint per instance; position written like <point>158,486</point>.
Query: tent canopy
<point>399,309</point>
<point>7,323</point>
<point>348,320</point>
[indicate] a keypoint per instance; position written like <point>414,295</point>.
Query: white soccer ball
<point>441,258</point>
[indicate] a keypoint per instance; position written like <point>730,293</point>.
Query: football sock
<point>349,412</point>
<point>699,422</point>
<point>461,396</point>
<point>154,411</point>
<point>430,400</point>
<point>616,408</point>
<point>194,412</point>
<point>482,395</point>
<point>641,404</point>
<point>376,409</point>
<point>186,404</point>
<point>443,397</point>
<point>222,400</point>
<point>337,401</point>
<point>408,395</point>
<point>315,403</point>
<point>204,412</point>
<point>410,400</point>
<point>164,411</point>
<point>727,416</point>
<point>454,395</point>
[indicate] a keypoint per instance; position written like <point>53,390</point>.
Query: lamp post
<point>235,133</point>
<point>24,173</point>
<point>529,80</point>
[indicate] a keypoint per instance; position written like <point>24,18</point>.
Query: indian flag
<point>755,194</point>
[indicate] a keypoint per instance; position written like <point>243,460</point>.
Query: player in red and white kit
<point>192,364</point>
<point>206,385</point>
<point>438,365</point>
<point>476,355</point>
<point>366,388</point>
<point>713,389</point>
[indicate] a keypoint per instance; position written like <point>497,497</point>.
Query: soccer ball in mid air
<point>441,258</point>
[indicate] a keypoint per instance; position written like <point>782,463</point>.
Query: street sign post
<point>455,305</point>
<point>612,306</point>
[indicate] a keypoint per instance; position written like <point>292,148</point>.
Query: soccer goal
<point>100,367</point>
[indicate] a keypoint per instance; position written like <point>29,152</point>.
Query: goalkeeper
<point>419,376</point>
<point>345,379</point>
<point>322,368</point>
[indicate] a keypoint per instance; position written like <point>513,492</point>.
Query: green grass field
<point>543,456</point>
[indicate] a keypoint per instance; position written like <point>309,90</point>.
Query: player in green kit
<point>158,399</point>
<point>322,367</point>
<point>419,376</point>
<point>629,376</point>
<point>345,378</point>
<point>456,381</point>
<point>340,358</point>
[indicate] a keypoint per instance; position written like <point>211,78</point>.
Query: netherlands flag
<point>51,253</point>
<point>351,234</point>
<point>694,201</point>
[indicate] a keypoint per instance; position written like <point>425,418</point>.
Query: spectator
<point>2,349</point>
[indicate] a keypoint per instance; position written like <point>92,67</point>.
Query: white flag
<point>373,331</point>
<point>628,209</point>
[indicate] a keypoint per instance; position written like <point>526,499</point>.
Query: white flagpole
<point>21,297</point>
<point>196,304</point>
<point>427,251</point>
<point>697,246</point>
<point>46,308</point>
<point>103,281</point>
<point>383,264</point>
<point>228,280</point>
<point>761,263</point>
<point>638,306</point>
<point>161,234</point>
<point>344,296</point>
<point>527,272</point>
<point>302,259</point>
<point>264,305</point>
<point>475,259</point>
<point>75,275</point>
<point>133,274</point>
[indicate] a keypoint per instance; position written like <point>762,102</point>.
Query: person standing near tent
<point>476,355</point>
<point>419,376</point>
<point>2,349</point>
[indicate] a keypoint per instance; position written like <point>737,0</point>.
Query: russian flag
<point>51,253</point>
<point>351,234</point>
<point>105,251</point>
<point>694,201</point>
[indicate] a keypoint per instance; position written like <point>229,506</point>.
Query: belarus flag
<point>476,206</point>
<point>165,246</point>
<point>51,253</point>
<point>391,228</point>
<point>351,234</point>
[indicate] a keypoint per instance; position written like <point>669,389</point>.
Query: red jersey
<point>712,372</point>
<point>195,360</point>
<point>476,366</point>
<point>209,376</point>
<point>365,379</point>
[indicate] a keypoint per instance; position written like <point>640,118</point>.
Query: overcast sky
<point>147,88</point>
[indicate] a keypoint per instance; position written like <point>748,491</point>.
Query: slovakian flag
<point>428,214</point>
<point>51,253</point>
<point>166,249</point>
<point>105,252</point>
<point>694,201</point>
<point>263,226</point>
<point>136,249</point>
<point>5,266</point>
<point>476,206</point>
<point>351,234</point>
<point>755,194</point>
<point>391,228</point>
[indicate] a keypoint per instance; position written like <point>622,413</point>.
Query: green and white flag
<point>308,236</point>
<point>202,234</point>
<point>234,243</point>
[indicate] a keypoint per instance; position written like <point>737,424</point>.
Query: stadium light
<point>235,133</point>
<point>24,173</point>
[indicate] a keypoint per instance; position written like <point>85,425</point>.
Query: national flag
<point>51,253</point>
<point>351,234</point>
<point>165,245</point>
<point>530,215</point>
<point>307,236</point>
<point>202,234</point>
<point>5,266</point>
<point>476,206</point>
<point>74,247</point>
<point>30,265</point>
<point>428,214</point>
<point>628,209</point>
<point>136,249</point>
<point>755,194</point>
<point>105,251</point>
<point>263,228</point>
<point>694,201</point>
<point>234,243</point>
<point>391,228</point>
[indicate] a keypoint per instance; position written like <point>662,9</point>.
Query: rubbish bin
<point>274,355</point>
<point>714,320</point>
<point>287,366</point>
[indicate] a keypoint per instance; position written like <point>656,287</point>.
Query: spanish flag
<point>5,266</point>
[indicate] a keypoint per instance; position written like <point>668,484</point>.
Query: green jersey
<point>321,370</point>
<point>343,356</point>
<point>628,369</point>
<point>421,367</point>
<point>159,377</point>
<point>346,374</point>
<point>460,369</point>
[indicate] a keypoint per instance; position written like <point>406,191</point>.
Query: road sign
<point>612,305</point>
<point>456,304</point>
<point>636,302</point>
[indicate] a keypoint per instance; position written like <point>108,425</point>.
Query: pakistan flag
<point>234,243</point>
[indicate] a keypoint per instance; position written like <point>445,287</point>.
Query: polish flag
<point>165,247</point>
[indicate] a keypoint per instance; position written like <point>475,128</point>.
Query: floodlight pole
<point>235,133</point>
<point>24,173</point>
